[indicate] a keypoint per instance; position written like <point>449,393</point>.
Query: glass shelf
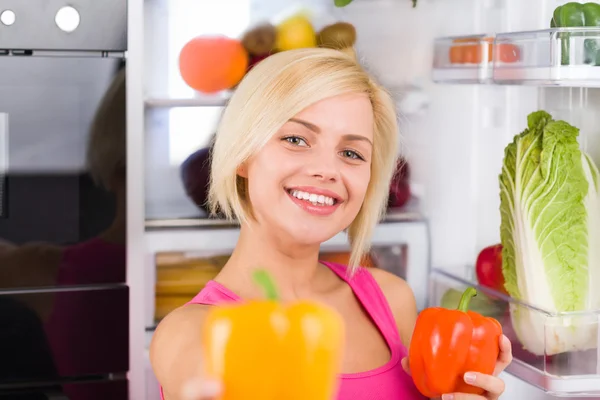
<point>553,57</point>
<point>410,212</point>
<point>541,355</point>
<point>200,100</point>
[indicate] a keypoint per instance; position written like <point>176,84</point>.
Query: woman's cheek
<point>359,184</point>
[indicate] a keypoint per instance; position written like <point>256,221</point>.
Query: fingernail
<point>469,377</point>
<point>505,339</point>
<point>447,396</point>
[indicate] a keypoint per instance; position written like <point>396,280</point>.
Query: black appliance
<point>64,301</point>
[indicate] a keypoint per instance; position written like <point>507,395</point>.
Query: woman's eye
<point>352,154</point>
<point>296,141</point>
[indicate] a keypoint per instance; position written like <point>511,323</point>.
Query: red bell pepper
<point>448,343</point>
<point>489,268</point>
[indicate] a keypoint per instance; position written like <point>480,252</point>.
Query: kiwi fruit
<point>260,40</point>
<point>340,35</point>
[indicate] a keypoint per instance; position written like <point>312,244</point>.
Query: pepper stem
<point>264,280</point>
<point>468,294</point>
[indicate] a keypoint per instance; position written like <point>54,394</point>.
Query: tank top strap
<point>369,294</point>
<point>214,294</point>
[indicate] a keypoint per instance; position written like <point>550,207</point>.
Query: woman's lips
<point>314,203</point>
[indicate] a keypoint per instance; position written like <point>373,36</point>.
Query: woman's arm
<point>176,354</point>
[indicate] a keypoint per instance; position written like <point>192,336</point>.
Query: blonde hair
<point>276,90</point>
<point>106,151</point>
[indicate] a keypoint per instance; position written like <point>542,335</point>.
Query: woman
<point>306,149</point>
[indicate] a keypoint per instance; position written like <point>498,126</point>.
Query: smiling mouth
<point>312,198</point>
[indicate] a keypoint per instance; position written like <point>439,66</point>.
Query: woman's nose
<point>325,168</point>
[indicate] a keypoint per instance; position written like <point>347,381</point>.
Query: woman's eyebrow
<point>349,137</point>
<point>307,124</point>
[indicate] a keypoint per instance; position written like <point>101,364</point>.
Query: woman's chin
<point>311,238</point>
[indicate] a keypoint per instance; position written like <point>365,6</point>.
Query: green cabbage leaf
<point>550,232</point>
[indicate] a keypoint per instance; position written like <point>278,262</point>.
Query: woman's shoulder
<point>175,348</point>
<point>401,300</point>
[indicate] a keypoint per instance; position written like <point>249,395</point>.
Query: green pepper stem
<point>264,280</point>
<point>468,294</point>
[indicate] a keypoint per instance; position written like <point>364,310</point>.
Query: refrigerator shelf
<point>563,353</point>
<point>567,57</point>
<point>405,214</point>
<point>199,100</point>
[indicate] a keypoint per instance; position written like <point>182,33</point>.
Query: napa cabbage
<point>550,232</point>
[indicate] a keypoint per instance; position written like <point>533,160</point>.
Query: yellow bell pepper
<point>269,351</point>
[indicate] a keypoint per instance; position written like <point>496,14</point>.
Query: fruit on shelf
<point>195,175</point>
<point>489,268</point>
<point>260,40</point>
<point>255,60</point>
<point>210,64</point>
<point>471,51</point>
<point>481,304</point>
<point>296,32</point>
<point>400,186</point>
<point>340,35</point>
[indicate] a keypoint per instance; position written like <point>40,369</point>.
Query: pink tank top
<point>386,382</point>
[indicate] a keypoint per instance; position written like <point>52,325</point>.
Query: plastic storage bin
<point>557,352</point>
<point>556,57</point>
<point>463,59</point>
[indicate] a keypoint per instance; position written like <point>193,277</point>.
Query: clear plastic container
<point>557,352</point>
<point>552,57</point>
<point>463,59</point>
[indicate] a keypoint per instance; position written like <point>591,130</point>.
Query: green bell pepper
<point>572,15</point>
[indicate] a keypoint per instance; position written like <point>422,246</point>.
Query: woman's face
<point>309,182</point>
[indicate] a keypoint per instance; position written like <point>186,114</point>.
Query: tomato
<point>489,268</point>
<point>470,51</point>
<point>508,53</point>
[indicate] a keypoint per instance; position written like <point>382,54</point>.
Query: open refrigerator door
<point>532,69</point>
<point>466,75</point>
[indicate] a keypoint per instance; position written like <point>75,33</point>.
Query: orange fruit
<point>210,64</point>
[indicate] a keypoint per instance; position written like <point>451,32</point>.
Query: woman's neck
<point>295,268</point>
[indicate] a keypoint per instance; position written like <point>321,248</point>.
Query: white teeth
<point>315,199</point>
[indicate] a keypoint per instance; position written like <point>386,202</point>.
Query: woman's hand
<point>492,385</point>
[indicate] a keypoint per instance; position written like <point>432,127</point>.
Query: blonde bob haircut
<point>274,91</point>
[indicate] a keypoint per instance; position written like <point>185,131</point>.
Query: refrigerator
<point>64,306</point>
<point>457,112</point>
